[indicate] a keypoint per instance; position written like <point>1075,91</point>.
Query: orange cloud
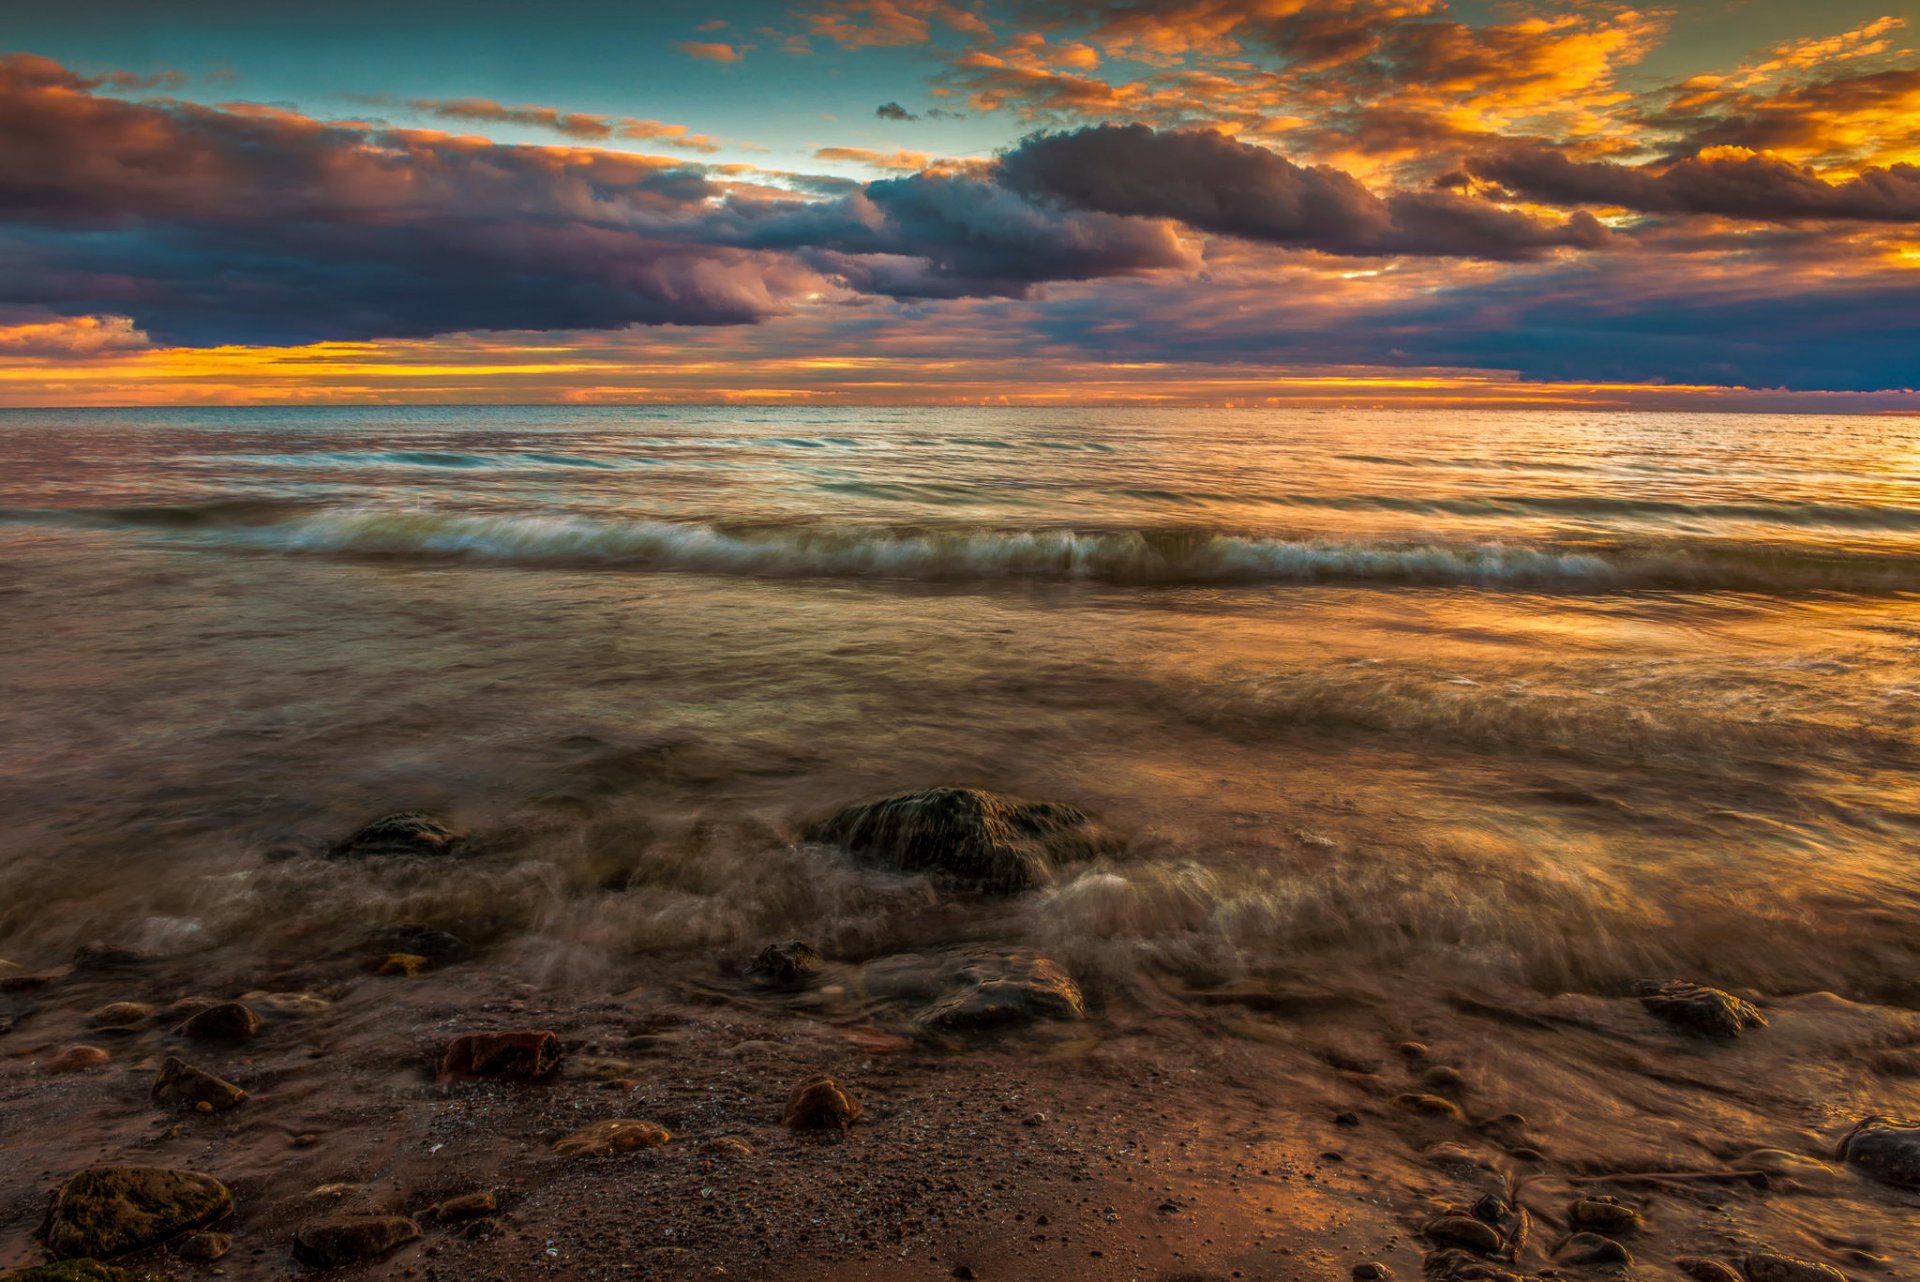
<point>710,51</point>
<point>897,161</point>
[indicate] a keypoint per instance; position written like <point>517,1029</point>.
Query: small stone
<point>785,965</point>
<point>204,1248</point>
<point>965,1272</point>
<point>469,1206</point>
<point>1604,1215</point>
<point>1034,1119</point>
<point>1372,1271</point>
<point>406,964</point>
<point>1443,1078</point>
<point>334,1191</point>
<point>727,1146</point>
<point>1464,1232</point>
<point>1425,1105</point>
<point>411,832</point>
<point>1346,1119</point>
<point>614,1135</point>
<point>482,1229</point>
<point>108,1211</point>
<point>75,1059</point>
<point>978,840</point>
<point>1594,1251</point>
<point>117,1017</point>
<point>225,1022</point>
<point>341,1240</point>
<point>298,1005</point>
<point>1413,1050</point>
<point>519,1055</point>
<point>181,1085</point>
<point>1704,1270</point>
<point>1702,1011</point>
<point>1885,1148</point>
<point>1770,1266</point>
<point>819,1103</point>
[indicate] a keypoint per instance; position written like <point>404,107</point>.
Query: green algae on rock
<point>107,1211</point>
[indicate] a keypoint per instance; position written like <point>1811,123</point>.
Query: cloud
<point>895,161</point>
<point>1730,184</point>
<point>72,336</point>
<point>1213,183</point>
<point>860,24</point>
<point>710,50</point>
<point>573,124</point>
<point>894,111</point>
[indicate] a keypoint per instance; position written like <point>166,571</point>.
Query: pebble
<point>1593,1250</point>
<point>76,1059</point>
<point>614,1135</point>
<point>1425,1105</point>
<point>1604,1215</point>
<point>820,1103</point>
<point>225,1022</point>
<point>1464,1232</point>
<point>338,1241</point>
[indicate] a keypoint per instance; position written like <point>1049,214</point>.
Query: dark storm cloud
<point>893,111</point>
<point>1761,188</point>
<point>1213,183</point>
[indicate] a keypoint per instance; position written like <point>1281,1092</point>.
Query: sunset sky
<point>1343,202</point>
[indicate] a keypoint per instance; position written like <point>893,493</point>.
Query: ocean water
<point>1550,699</point>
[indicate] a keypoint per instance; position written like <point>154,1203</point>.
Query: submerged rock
<point>406,965</point>
<point>1885,1148</point>
<point>108,1211</point>
<point>411,832</point>
<point>1464,1232</point>
<point>204,1248</point>
<point>122,1017</point>
<point>1004,991</point>
<point>784,965</point>
<point>1701,1269</point>
<point>340,1240</point>
<point>468,1206</point>
<point>1603,1215</point>
<point>975,839</point>
<point>821,1104</point>
<point>76,1059</point>
<point>1702,1011</point>
<point>1770,1266</point>
<point>181,1085</point>
<point>101,956</point>
<point>437,946</point>
<point>1594,1251</point>
<point>615,1135</point>
<point>519,1055</point>
<point>225,1022</point>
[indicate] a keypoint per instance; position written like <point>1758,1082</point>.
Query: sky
<point>1713,204</point>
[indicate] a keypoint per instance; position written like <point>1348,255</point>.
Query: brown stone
<point>1425,1105</point>
<point>75,1059</point>
<point>1603,1215</point>
<point>518,1055</point>
<point>819,1104</point>
<point>181,1085</point>
<point>1770,1266</point>
<point>785,965</point>
<point>224,1022</point>
<point>411,832</point>
<point>108,1211</point>
<point>727,1146</point>
<point>118,1016</point>
<point>614,1135</point>
<point>977,839</point>
<point>341,1240</point>
<point>1464,1232</point>
<point>1886,1148</point>
<point>405,964</point>
<point>1701,1269</point>
<point>204,1248</point>
<point>1702,1011</point>
<point>469,1206</point>
<point>1003,991</point>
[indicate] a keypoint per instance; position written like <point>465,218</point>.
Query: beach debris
<point>108,1211</point>
<point>1885,1148</point>
<point>784,965</point>
<point>968,837</point>
<point>181,1085</point>
<point>410,832</point>
<point>1699,1010</point>
<point>820,1103</point>
<point>341,1240</point>
<point>224,1022</point>
<point>613,1135</point>
<point>520,1055</point>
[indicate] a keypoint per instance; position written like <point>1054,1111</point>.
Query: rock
<point>1464,1232</point>
<point>204,1248</point>
<point>99,956</point>
<point>469,1206</point>
<point>978,840</point>
<point>122,1017</point>
<point>1512,1222</point>
<point>290,1004</point>
<point>1769,1266</point>
<point>1885,1148</point>
<point>26,981</point>
<point>727,1146</point>
<point>411,832</point>
<point>437,946</point>
<point>819,1104</point>
<point>186,1007</point>
<point>1443,1078</point>
<point>1372,1271</point>
<point>405,964</point>
<point>107,1211</point>
<point>1604,1215</point>
<point>74,1271</point>
<point>1705,1270</point>
<point>340,1240</point>
<point>1702,1011</point>
<point>1425,1105</point>
<point>1594,1251</point>
<point>181,1085</point>
<point>519,1055</point>
<point>1004,991</point>
<point>225,1022</point>
<point>785,965</point>
<point>614,1135</point>
<point>75,1059</point>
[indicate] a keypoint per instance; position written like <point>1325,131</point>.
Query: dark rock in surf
<point>108,1211</point>
<point>970,838</point>
<point>1604,1215</point>
<point>1770,1266</point>
<point>1464,1232</point>
<point>181,1085</point>
<point>820,1104</point>
<point>410,832</point>
<point>1372,1271</point>
<point>122,1017</point>
<point>437,946</point>
<point>73,1271</point>
<point>205,1248</point>
<point>342,1240</point>
<point>1701,1269</point>
<point>1594,1251</point>
<point>97,956</point>
<point>1885,1148</point>
<point>785,965</point>
<point>1510,1221</point>
<point>224,1022</point>
<point>518,1055</point>
<point>1697,1009</point>
<point>1002,992</point>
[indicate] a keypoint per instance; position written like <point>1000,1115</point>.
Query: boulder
<point>614,1135</point>
<point>107,1211</point>
<point>181,1085</point>
<point>821,1104</point>
<point>341,1240</point>
<point>999,992</point>
<point>1885,1148</point>
<point>224,1022</point>
<point>970,838</point>
<point>785,965</point>
<point>519,1055</point>
<point>411,832</point>
<point>1770,1266</point>
<point>1699,1010</point>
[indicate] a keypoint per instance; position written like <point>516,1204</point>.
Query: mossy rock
<point>971,838</point>
<point>108,1211</point>
<point>75,1271</point>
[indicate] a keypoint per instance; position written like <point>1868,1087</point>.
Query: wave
<point>1144,557</point>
